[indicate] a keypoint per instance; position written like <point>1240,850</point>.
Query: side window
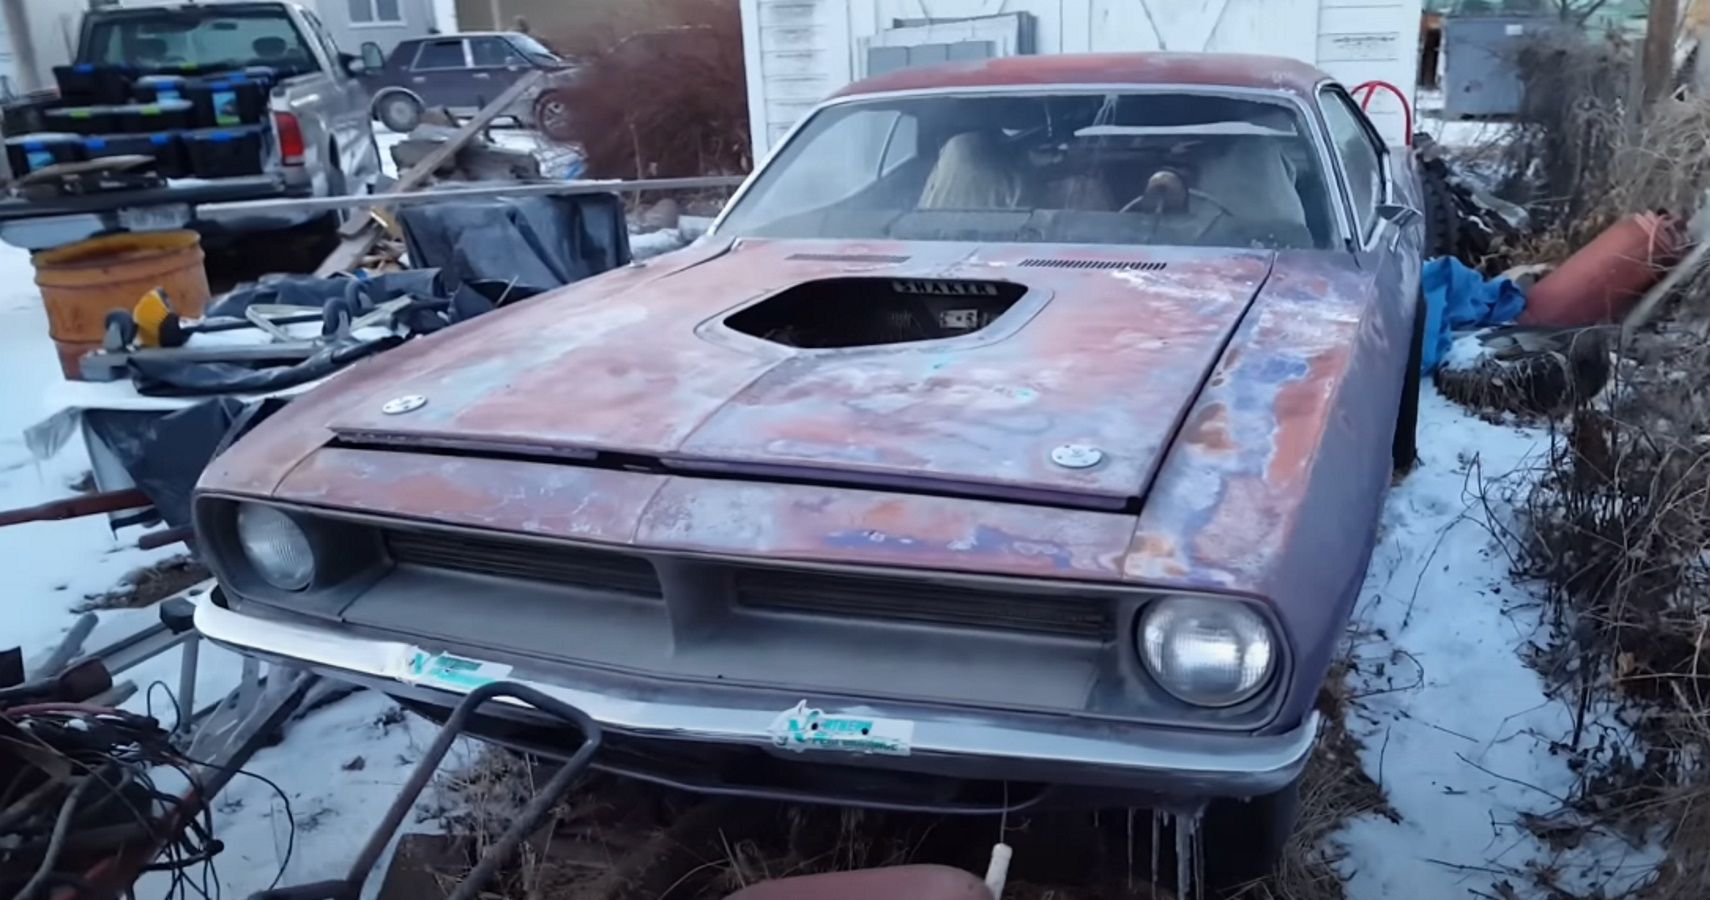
<point>493,53</point>
<point>440,55</point>
<point>845,158</point>
<point>324,38</point>
<point>1360,154</point>
<point>903,144</point>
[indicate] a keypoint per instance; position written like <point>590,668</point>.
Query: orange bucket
<point>82,282</point>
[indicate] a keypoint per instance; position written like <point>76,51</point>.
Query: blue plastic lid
<point>160,140</point>
<point>220,137</point>
<point>95,143</point>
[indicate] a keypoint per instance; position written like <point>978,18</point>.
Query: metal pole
<point>187,661</point>
<point>324,204</point>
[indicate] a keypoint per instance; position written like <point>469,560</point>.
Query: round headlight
<point>276,546</point>
<point>1205,651</point>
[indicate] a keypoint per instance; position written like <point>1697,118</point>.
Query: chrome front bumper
<point>1173,764</point>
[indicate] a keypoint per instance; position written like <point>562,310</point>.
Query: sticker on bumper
<point>456,673</point>
<point>802,728</point>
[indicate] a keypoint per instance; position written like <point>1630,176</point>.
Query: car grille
<point>811,593</point>
<point>596,570</point>
<point>910,601</point>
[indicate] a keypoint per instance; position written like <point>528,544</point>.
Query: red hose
<point>1371,88</point>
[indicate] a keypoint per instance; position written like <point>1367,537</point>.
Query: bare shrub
<point>662,91</point>
<point>1619,528</point>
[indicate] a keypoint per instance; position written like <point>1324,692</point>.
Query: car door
<point>1386,245</point>
<point>494,66</point>
<point>346,111</point>
<point>440,74</point>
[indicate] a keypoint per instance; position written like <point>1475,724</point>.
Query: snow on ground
<point>1456,727</point>
<point>50,566</point>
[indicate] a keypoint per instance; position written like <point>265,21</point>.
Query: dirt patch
<point>148,585</point>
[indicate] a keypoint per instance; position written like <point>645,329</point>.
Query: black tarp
<point>537,242</point>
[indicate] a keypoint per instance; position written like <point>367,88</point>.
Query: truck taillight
<point>290,138</point>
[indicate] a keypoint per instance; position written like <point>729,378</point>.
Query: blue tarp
<point>1457,297</point>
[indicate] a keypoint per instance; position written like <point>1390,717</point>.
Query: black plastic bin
<point>92,84</point>
<point>157,88</point>
<point>225,152</point>
<point>227,102</point>
<point>167,149</point>
<point>151,118</point>
<point>29,152</point>
<point>87,120</point>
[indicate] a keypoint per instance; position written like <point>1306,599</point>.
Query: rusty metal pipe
<point>1606,277</point>
<point>77,507</point>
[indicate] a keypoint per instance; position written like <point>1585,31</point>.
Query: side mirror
<point>353,66</point>
<point>1399,214</point>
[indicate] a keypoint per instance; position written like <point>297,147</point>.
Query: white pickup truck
<point>322,143</point>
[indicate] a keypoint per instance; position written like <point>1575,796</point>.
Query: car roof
<point>452,36</point>
<point>1274,73</point>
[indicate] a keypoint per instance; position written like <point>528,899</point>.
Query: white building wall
<point>800,51</point>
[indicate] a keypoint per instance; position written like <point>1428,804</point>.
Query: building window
<point>373,12</point>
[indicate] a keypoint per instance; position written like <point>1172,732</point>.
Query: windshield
<point>1171,168</point>
<point>533,49</point>
<point>205,38</point>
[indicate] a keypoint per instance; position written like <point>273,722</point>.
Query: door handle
<point>419,79</point>
<point>483,75</point>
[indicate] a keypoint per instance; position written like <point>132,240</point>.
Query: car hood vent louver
<point>1122,265</point>
<point>874,258</point>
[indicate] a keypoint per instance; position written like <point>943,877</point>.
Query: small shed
<point>799,51</point>
<point>1481,72</point>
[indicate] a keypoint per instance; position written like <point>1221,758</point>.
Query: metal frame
<point>403,198</point>
<point>537,811</point>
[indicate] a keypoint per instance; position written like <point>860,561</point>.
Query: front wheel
<point>399,112</point>
<point>1405,449</point>
<point>1243,840</point>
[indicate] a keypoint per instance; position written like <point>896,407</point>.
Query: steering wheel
<point>1191,192</point>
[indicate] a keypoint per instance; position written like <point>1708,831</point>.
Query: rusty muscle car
<point>1016,436</point>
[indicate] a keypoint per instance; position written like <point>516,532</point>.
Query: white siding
<point>417,17</point>
<point>1366,40</point>
<point>800,51</point>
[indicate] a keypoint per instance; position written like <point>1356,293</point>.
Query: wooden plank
<point>349,253</point>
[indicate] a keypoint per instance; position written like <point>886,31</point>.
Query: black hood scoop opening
<point>868,312</point>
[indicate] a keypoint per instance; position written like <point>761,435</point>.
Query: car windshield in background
<point>534,50</point>
<point>205,37</point>
<point>1170,168</point>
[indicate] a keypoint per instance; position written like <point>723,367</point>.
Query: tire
<point>399,112</point>
<point>1442,219</point>
<point>1244,839</point>
<point>552,116</point>
<point>1405,447</point>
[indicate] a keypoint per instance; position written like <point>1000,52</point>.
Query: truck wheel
<point>399,112</point>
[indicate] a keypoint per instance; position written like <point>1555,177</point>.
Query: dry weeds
<point>617,839</point>
<point>148,585</point>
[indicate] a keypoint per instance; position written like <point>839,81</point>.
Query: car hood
<point>1071,399</point>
